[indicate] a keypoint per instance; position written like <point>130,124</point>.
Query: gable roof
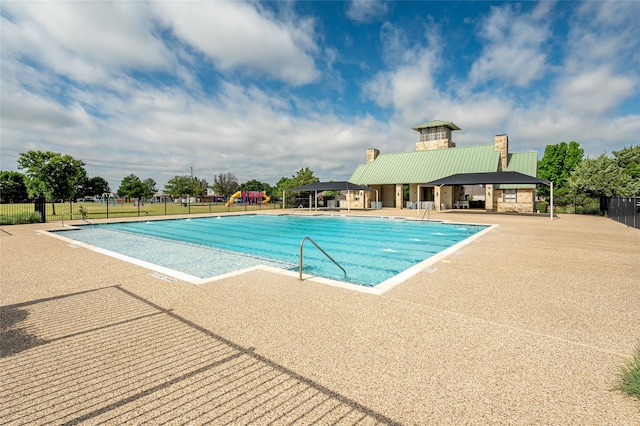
<point>426,166</point>
<point>436,123</point>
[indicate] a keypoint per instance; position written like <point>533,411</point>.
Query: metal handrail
<point>322,250</point>
<point>71,216</point>
<point>426,212</point>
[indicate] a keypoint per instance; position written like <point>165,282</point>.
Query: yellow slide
<point>266,198</point>
<point>233,198</point>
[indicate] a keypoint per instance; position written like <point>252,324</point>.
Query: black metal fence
<point>624,210</point>
<point>41,211</point>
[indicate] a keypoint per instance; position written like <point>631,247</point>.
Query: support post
<point>551,204</point>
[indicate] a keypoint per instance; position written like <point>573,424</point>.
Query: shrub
<point>542,206</point>
<point>18,218</point>
<point>630,375</point>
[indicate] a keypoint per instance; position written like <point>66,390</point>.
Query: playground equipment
<point>249,197</point>
<point>233,199</point>
<point>108,198</point>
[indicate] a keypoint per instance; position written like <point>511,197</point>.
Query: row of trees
<point>48,174</point>
<point>62,177</point>
<point>579,180</point>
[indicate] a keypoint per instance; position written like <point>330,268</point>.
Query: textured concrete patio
<point>526,325</point>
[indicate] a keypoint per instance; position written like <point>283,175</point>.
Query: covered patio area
<point>495,184</point>
<point>318,187</point>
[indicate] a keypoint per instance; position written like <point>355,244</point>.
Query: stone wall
<point>372,154</point>
<point>501,143</point>
<point>437,144</point>
<point>523,204</point>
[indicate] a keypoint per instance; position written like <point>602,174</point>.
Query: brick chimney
<point>501,143</point>
<point>372,154</point>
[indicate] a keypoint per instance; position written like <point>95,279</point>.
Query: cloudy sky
<point>262,89</point>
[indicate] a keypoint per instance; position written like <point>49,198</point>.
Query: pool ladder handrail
<point>426,212</point>
<point>71,216</point>
<point>322,250</point>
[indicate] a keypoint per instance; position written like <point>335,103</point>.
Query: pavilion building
<point>436,157</point>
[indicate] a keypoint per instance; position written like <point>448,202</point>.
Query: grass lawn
<point>10,212</point>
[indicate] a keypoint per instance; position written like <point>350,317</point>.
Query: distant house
<point>436,156</point>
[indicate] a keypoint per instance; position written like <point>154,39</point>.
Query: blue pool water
<point>371,250</point>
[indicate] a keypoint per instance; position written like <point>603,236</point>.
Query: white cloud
<point>595,91</point>
<point>85,41</point>
<point>367,11</point>
<point>408,84</point>
<point>60,94</point>
<point>600,69</point>
<point>238,35</point>
<point>604,32</point>
<point>160,132</point>
<point>586,88</point>
<point>513,52</point>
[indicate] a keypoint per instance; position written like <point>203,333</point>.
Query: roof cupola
<point>435,134</point>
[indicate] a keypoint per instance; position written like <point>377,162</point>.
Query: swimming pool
<point>372,250</point>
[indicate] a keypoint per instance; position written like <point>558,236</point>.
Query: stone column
<point>399,196</point>
<point>488,198</point>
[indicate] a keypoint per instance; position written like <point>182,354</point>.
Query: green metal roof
<point>357,172</point>
<point>436,123</point>
<point>522,162</point>
<point>426,166</point>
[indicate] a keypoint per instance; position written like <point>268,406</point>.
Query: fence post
<point>625,210</point>
<point>40,206</point>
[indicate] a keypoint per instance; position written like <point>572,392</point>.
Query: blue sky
<point>262,89</point>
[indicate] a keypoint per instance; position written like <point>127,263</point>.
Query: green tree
<point>51,174</point>
<point>603,177</point>
<point>629,160</point>
<point>225,184</point>
<point>283,184</point>
<point>304,176</point>
<point>202,186</point>
<point>13,188</point>
<point>131,187</point>
<point>95,186</point>
<point>574,156</point>
<point>253,185</point>
<point>182,185</point>
<point>149,188</point>
<point>557,163</point>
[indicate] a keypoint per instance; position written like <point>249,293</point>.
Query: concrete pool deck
<point>526,325</point>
